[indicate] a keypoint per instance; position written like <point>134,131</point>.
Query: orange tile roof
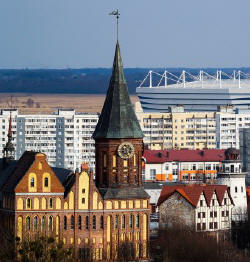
<point>193,192</point>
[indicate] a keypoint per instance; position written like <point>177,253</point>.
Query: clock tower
<point>118,139</point>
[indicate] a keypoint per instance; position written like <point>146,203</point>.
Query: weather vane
<point>117,14</point>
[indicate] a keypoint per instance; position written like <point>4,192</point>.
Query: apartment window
<point>94,222</point>
<point>215,225</point>
<point>211,225</point>
<point>65,223</point>
<point>194,167</point>
<point>215,214</point>
<point>225,201</point>
<point>211,214</point>
<point>203,214</point>
<point>198,226</point>
<point>152,174</point>
<point>201,203</point>
<point>203,226</point>
<point>222,213</point>
<point>213,202</point>
<point>227,213</point>
<point>199,215</point>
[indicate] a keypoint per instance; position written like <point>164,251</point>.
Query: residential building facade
<point>204,208</point>
<point>65,136</point>
<point>182,165</point>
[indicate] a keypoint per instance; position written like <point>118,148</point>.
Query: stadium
<point>201,92</point>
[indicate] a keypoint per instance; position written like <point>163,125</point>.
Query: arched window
<point>43,223</point>
<point>72,222</point>
<point>101,222</point>
<point>32,182</point>
<point>116,221</point>
<point>28,203</point>
<point>87,222</point>
<point>65,223</point>
<point>28,223</point>
<point>51,202</point>
<point>123,221</point>
<point>79,222</point>
<point>131,221</point>
<point>94,222</point>
<point>35,223</point>
<point>137,222</point>
<point>46,182</point>
<point>50,223</point>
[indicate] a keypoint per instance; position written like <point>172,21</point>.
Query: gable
<point>39,178</point>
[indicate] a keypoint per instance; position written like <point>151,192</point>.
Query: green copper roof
<point>118,119</point>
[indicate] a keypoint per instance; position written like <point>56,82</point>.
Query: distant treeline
<point>77,81</point>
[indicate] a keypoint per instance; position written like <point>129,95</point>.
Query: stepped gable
<point>192,193</point>
<point>117,119</point>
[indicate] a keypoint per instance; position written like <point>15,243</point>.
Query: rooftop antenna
<point>117,14</point>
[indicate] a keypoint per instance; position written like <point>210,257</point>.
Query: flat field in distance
<point>48,103</point>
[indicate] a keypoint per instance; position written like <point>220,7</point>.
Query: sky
<point>153,33</point>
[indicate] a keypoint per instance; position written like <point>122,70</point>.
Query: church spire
<point>117,119</point>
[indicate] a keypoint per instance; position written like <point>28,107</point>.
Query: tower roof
<point>117,119</point>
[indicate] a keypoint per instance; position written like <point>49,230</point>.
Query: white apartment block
<point>228,127</point>
<point>65,136</point>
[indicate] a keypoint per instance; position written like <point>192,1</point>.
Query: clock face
<point>125,150</point>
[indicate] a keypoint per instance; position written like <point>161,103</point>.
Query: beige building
<point>177,129</point>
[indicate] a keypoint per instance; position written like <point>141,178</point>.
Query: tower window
<point>101,222</point>
<point>50,223</point>
<point>83,200</point>
<point>131,221</point>
<point>104,160</point>
<point>236,190</point>
<point>80,222</point>
<point>28,223</point>
<point>50,202</point>
<point>46,182</point>
<point>123,221</point>
<point>116,221</point>
<point>137,220</point>
<point>65,223</point>
<point>87,222</point>
<point>242,189</point>
<point>72,222</point>
<point>35,223</point>
<point>32,182</point>
<point>28,203</point>
<point>43,223</point>
<point>94,222</point>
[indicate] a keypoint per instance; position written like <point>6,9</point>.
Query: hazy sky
<point>153,33</point>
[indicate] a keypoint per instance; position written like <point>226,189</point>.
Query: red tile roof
<point>184,155</point>
<point>193,192</point>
